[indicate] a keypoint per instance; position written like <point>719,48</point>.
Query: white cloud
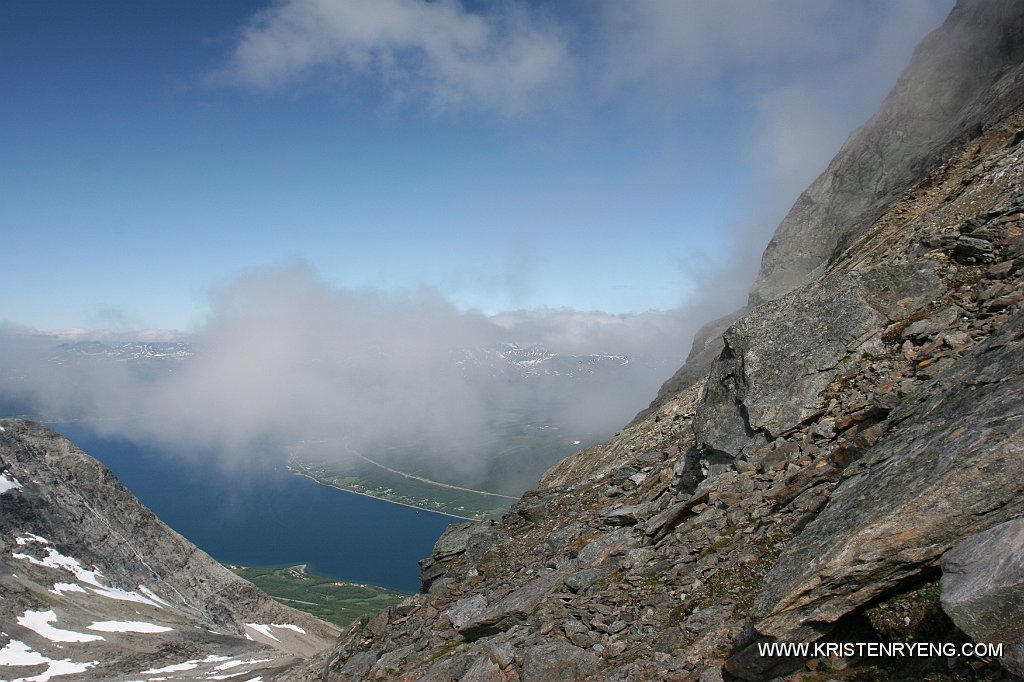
<point>504,60</point>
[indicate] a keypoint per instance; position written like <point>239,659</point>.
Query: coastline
<point>382,499</point>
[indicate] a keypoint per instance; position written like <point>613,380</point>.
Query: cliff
<point>95,587</point>
<point>839,462</point>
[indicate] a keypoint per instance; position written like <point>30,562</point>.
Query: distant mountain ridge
<point>125,351</point>
<point>536,360</point>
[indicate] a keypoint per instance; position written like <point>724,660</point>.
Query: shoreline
<point>382,499</point>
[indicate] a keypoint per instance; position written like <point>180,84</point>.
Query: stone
<point>557,662</point>
<point>502,653</point>
<point>983,589</point>
<point>628,515</point>
<point>1005,301</point>
<point>581,580</point>
<point>455,539</point>
<point>956,339</point>
<point>973,250</point>
<point>610,544</point>
<point>936,323</point>
<point>712,675</point>
<point>513,609</point>
<point>483,670</point>
<point>392,661</point>
<point>466,609</point>
<point>360,664</point>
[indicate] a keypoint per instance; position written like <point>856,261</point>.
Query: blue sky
<point>595,155</point>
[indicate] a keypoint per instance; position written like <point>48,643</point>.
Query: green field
<point>508,459</point>
<point>326,598</point>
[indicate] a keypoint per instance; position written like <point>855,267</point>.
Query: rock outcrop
<point>824,458</point>
<point>93,583</point>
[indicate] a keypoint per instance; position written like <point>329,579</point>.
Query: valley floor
<point>336,601</point>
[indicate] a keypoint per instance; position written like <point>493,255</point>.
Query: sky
<point>579,155</point>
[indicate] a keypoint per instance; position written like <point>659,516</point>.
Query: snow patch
<point>62,588</point>
<point>39,623</point>
<point>152,595</point>
<point>263,630</point>
<point>187,665</point>
<point>235,663</point>
<point>54,559</point>
<point>7,484</point>
<point>17,653</point>
<point>127,626</point>
<point>26,538</point>
<point>176,668</point>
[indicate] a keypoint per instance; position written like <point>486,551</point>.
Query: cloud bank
<point>285,358</point>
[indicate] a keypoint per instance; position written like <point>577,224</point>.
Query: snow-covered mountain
<point>78,351</point>
<point>509,359</point>
<point>95,587</point>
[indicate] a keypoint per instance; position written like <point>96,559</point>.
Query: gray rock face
<point>779,357</point>
<point>952,465</point>
<point>983,589</point>
<point>959,77</point>
<point>76,545</point>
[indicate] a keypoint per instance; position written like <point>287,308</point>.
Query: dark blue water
<point>273,518</point>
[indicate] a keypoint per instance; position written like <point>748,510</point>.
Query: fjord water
<point>272,518</point>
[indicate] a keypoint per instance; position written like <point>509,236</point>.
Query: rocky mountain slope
<point>842,462</point>
<point>95,587</point>
<point>961,77</point>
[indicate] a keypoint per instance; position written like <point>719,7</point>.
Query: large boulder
<point>779,357</point>
<point>983,589</point>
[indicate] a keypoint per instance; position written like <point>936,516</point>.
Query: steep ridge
<point>95,587</point>
<point>962,76</point>
<point>850,469</point>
